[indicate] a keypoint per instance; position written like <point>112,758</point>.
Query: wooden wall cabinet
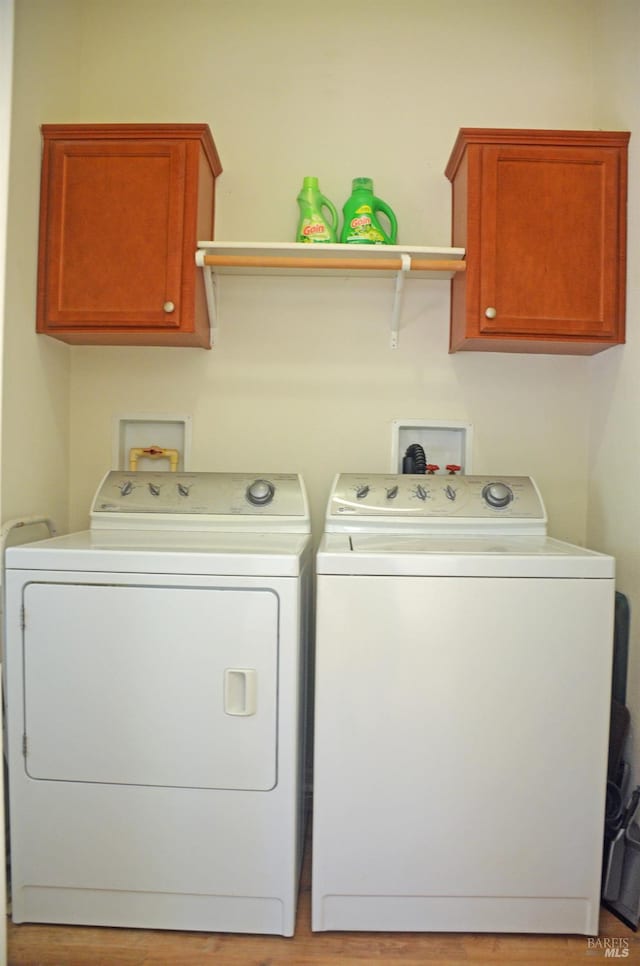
<point>542,216</point>
<point>121,209</point>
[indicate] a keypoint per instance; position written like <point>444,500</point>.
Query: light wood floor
<point>42,945</point>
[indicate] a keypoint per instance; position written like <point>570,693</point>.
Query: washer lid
<point>491,555</point>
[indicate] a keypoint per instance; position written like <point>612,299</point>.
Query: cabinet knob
<point>491,312</point>
<point>169,307</point>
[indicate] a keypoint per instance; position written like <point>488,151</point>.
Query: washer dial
<point>497,495</point>
<point>260,492</point>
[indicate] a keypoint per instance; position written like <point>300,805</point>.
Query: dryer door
<point>172,686</point>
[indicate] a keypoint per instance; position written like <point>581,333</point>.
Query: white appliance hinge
<point>23,617</point>
<point>24,746</point>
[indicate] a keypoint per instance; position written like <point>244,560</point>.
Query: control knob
<point>260,492</point>
<point>362,491</point>
<point>497,495</point>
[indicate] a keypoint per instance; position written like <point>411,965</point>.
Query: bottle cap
<point>362,183</point>
<point>309,182</point>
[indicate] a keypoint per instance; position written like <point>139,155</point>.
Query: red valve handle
<point>432,467</point>
<point>453,468</point>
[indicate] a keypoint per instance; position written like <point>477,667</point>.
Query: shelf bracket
<point>210,294</point>
<point>397,298</point>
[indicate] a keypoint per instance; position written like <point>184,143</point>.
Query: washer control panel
<point>129,499</point>
<point>383,501</point>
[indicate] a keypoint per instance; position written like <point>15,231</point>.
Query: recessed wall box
<point>146,430</point>
<point>445,442</point>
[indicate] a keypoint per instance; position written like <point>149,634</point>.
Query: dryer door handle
<point>240,691</point>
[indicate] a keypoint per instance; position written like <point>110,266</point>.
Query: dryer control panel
<point>361,502</point>
<point>146,500</point>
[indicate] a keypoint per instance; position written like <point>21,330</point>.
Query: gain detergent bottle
<point>313,225</point>
<point>361,224</point>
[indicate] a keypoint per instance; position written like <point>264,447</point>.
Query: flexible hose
<point>414,460</point>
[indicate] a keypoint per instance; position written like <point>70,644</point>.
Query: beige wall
<point>614,472</point>
<point>6,84</point>
<point>35,402</point>
<point>302,377</point>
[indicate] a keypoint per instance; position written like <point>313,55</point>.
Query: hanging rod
<point>333,264</point>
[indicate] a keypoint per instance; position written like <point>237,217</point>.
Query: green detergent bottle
<point>314,226</point>
<point>361,224</point>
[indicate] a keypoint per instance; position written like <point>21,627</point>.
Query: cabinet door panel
<point>542,216</point>
<point>549,239</point>
<point>115,233</point>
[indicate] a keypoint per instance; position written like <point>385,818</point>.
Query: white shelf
<point>398,262</point>
<point>249,258</point>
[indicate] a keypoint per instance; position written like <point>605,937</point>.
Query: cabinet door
<point>115,221</point>
<point>550,242</point>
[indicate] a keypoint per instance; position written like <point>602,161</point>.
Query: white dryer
<point>463,681</point>
<point>155,683</point>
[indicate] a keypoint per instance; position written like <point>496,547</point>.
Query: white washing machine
<point>155,683</point>
<point>463,681</point>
